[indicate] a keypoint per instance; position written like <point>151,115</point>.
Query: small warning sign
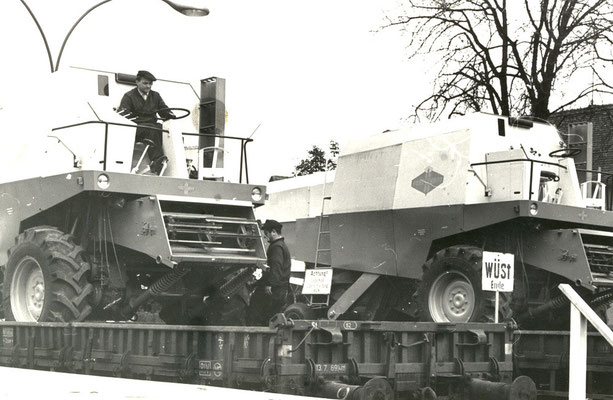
<point>317,281</point>
<point>210,369</point>
<point>497,271</point>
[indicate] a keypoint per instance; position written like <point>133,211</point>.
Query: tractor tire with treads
<point>450,289</point>
<point>46,278</point>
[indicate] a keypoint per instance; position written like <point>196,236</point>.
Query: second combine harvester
<point>410,213</point>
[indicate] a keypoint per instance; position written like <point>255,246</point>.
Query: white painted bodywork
<point>299,197</point>
<point>71,97</point>
<point>376,173</point>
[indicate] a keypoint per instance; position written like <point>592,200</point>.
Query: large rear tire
<point>46,278</point>
<point>450,290</point>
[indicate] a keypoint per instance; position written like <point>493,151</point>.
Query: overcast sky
<point>307,71</point>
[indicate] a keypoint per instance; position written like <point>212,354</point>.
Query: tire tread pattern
<point>485,301</point>
<point>69,289</point>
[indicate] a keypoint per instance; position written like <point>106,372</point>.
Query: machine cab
<point>89,134</point>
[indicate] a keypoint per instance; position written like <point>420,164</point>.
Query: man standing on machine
<point>142,106</point>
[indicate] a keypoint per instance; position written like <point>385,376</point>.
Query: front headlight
<point>256,194</point>
<point>103,181</point>
<point>534,209</point>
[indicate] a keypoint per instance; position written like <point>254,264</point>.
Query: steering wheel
<point>185,110</point>
<point>565,153</point>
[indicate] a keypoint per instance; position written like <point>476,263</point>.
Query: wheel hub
<point>458,301</point>
<point>451,298</point>
<point>39,292</point>
<point>27,294</point>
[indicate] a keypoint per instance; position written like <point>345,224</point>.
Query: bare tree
<point>509,60</point>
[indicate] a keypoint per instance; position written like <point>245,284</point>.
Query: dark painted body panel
<point>139,226</point>
<point>289,233</point>
<point>397,242</point>
<point>23,199</point>
<point>559,251</point>
<point>37,194</point>
<point>415,231</point>
<point>305,241</point>
<point>364,242</point>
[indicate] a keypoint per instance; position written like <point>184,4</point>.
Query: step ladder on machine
<point>316,297</point>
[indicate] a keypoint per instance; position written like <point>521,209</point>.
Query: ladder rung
<point>209,217</point>
<point>231,220</point>
<point>173,224</point>
<point>230,250</point>
<point>228,234</point>
<point>323,216</point>
<point>192,241</point>
<point>193,232</point>
<point>236,258</point>
<point>186,215</point>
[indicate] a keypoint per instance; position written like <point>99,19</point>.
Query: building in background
<point>591,130</point>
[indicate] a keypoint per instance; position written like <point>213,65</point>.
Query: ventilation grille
<point>206,237</point>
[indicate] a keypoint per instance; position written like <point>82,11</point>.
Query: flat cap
<point>271,224</point>
<point>145,74</point>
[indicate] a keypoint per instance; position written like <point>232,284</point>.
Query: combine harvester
<point>405,221</point>
<point>88,242</point>
<point>90,237</point>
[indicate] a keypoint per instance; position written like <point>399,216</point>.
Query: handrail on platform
<point>580,313</point>
<point>244,142</point>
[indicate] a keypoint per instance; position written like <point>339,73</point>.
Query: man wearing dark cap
<point>142,105</point>
<point>271,293</point>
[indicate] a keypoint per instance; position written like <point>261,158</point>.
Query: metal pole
<point>40,29</point>
<point>240,172</point>
<point>587,312</point>
<point>59,56</point>
<point>246,169</point>
<point>106,143</point>
<point>580,313</point>
<point>496,308</point>
<point>578,355</point>
<point>185,10</point>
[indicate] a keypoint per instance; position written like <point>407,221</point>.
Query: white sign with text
<point>497,272</point>
<point>317,281</point>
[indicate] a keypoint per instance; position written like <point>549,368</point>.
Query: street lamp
<point>185,10</point>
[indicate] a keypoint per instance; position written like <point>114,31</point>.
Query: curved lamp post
<point>185,10</point>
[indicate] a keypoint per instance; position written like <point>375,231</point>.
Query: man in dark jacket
<point>271,293</point>
<point>142,105</point>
